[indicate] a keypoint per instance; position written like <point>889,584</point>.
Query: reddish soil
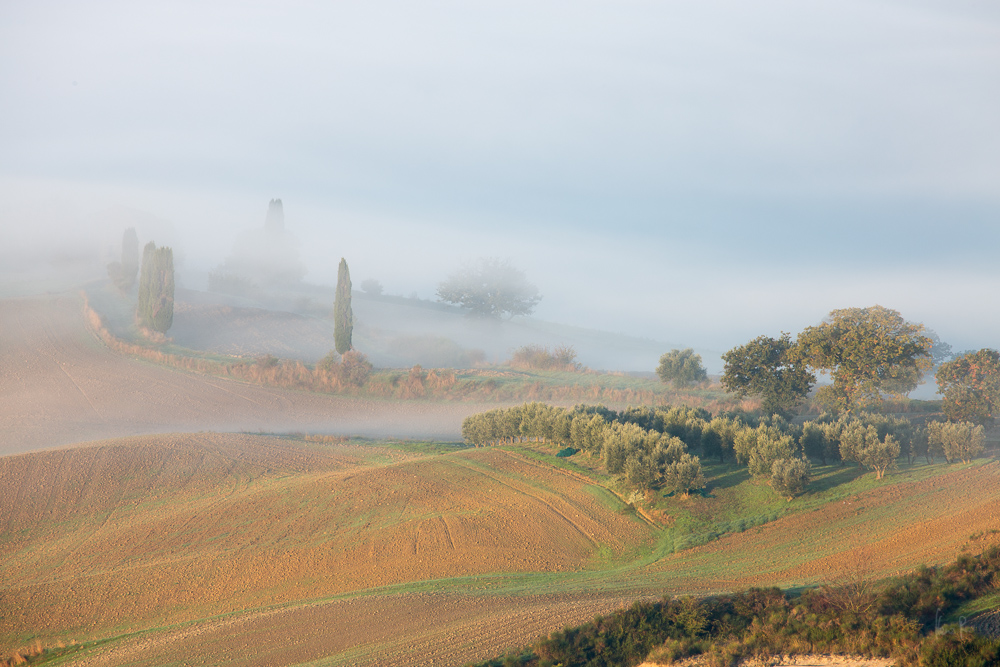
<point>59,385</point>
<point>153,530</point>
<point>401,630</point>
<point>873,534</point>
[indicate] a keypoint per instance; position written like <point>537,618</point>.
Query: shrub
<point>536,357</point>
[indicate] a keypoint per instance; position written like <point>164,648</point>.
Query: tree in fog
<point>155,307</point>
<point>123,273</point>
<point>490,288</point>
<point>868,352</point>
<point>681,367</point>
<point>970,384</point>
<point>770,369</point>
<point>371,287</point>
<point>343,316</point>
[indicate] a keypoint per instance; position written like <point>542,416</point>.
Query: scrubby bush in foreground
<point>902,622</point>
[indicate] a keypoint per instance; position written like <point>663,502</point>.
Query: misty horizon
<point>698,176</point>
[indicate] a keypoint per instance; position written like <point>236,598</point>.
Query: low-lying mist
<point>652,295</point>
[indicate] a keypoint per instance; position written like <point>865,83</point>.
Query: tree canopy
<point>868,352</point>
<point>770,369</point>
<point>681,367</point>
<point>970,384</point>
<point>491,288</point>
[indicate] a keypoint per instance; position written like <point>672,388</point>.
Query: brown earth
<point>882,532</point>
<point>398,630</point>
<point>59,385</point>
<point>147,531</point>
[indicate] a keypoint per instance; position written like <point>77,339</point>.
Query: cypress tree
<point>155,309</point>
<point>343,316</point>
<point>123,273</point>
<point>130,258</point>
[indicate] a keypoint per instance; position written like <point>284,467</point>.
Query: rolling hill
<point>252,549</point>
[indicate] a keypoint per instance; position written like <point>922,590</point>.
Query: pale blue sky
<point>693,172</point>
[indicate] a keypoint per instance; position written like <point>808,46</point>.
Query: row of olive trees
<point>625,444</point>
<point>648,446</point>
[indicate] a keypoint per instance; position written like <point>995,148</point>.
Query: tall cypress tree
<point>155,309</point>
<point>130,257</point>
<point>343,316</point>
<point>123,273</point>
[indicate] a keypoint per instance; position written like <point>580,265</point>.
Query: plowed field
<point>59,385</point>
<point>882,532</point>
<point>141,532</point>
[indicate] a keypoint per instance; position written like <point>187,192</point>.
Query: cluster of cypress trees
<point>155,308</point>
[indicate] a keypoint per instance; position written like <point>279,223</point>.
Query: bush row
<point>902,621</point>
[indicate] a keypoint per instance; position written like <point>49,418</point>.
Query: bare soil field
<point>878,533</point>
<point>397,630</point>
<point>150,531</point>
<point>59,385</point>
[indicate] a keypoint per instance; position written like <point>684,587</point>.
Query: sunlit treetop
<point>869,352</point>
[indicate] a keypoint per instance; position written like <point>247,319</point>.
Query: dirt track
<point>59,385</point>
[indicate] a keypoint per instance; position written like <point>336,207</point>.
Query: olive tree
<point>959,441</point>
<point>683,475</point>
<point>789,477</point>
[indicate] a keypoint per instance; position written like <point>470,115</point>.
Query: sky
<point>700,173</point>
